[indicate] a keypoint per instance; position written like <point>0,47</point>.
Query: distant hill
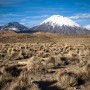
<point>15,26</point>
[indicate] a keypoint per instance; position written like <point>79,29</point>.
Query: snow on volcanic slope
<point>60,21</point>
<point>87,27</point>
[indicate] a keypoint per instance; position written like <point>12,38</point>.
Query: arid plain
<point>44,61</point>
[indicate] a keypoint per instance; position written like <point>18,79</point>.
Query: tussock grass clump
<point>36,65</point>
<point>73,61</point>
<point>64,61</point>
<point>23,82</point>
<point>4,83</point>
<point>85,73</point>
<point>15,55</point>
<point>51,61</point>
<point>13,70</point>
<point>67,79</point>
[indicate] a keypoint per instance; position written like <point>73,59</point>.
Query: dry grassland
<point>44,61</point>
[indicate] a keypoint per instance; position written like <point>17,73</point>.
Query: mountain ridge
<point>53,24</point>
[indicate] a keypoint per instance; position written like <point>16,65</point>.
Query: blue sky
<point>33,12</point>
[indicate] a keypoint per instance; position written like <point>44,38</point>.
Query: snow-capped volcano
<point>14,26</point>
<point>60,24</point>
<point>59,21</point>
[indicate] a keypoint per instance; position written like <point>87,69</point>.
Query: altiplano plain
<point>44,61</point>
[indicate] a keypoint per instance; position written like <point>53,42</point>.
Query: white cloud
<point>30,23</point>
<point>42,16</point>
<point>81,16</point>
<point>33,20</point>
<point>10,14</point>
<point>36,17</point>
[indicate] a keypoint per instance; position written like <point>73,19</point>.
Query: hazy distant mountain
<point>60,24</point>
<point>0,27</point>
<point>14,26</point>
